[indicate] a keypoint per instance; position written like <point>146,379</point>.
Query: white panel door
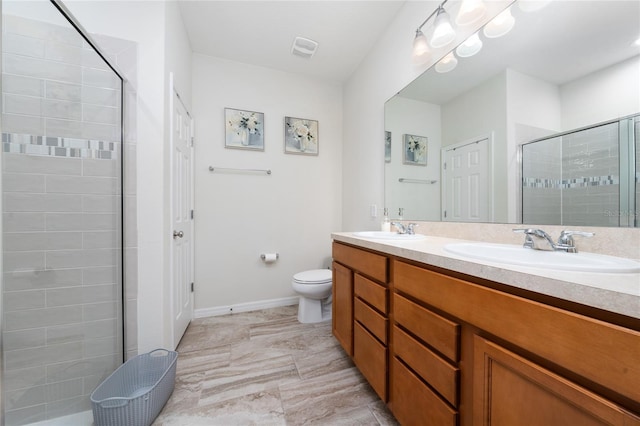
<point>181,216</point>
<point>466,183</point>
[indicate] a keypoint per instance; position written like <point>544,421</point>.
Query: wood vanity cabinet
<point>445,349</point>
<point>520,362</point>
<point>360,309</point>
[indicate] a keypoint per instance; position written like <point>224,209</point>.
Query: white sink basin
<point>383,235</point>
<point>518,255</point>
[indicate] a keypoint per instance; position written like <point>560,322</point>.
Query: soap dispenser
<point>386,223</point>
<point>400,213</point>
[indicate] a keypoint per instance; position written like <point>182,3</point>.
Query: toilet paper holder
<point>263,256</point>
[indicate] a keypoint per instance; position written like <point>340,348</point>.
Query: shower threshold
<point>83,418</point>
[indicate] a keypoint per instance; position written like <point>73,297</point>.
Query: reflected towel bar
<point>406,180</point>
<point>229,169</point>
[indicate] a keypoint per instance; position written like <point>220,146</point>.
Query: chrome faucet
<point>402,229</point>
<point>533,238</point>
<point>411,228</point>
<point>566,243</point>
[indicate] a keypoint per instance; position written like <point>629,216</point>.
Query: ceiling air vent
<point>304,47</point>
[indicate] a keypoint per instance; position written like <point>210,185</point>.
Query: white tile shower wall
<point>573,179</point>
<point>591,174</point>
<point>57,84</point>
<point>542,174</point>
<point>61,220</point>
<point>65,309</point>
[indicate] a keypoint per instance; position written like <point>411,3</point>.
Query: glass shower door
<point>62,316</point>
<point>587,177</point>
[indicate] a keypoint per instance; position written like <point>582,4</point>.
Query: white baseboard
<point>245,307</point>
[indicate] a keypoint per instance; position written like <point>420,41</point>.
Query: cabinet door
<point>342,314</point>
<point>510,390</point>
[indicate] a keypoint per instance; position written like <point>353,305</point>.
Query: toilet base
<point>313,310</point>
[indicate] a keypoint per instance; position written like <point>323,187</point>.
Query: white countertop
<point>619,293</point>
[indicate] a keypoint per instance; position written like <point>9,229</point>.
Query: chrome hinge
<point>445,213</point>
<point>191,287</point>
<point>445,166</point>
<point>191,140</point>
<point>191,214</point>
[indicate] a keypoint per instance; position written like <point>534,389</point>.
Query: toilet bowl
<point>314,288</point>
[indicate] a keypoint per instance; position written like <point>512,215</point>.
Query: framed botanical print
<point>414,150</point>
<point>244,129</point>
<point>387,147</point>
<point>301,136</point>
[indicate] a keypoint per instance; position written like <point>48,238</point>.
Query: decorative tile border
<point>59,146</point>
<point>571,183</point>
<point>591,181</point>
<point>540,183</point>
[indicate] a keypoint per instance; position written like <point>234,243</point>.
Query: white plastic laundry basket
<point>135,393</point>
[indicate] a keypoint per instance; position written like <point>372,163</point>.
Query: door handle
<point>178,234</point>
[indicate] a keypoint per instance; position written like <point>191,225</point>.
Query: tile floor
<point>265,368</point>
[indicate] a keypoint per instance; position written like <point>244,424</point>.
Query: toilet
<point>314,288</point>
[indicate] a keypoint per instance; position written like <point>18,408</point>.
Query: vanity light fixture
<point>470,12</point>
<point>443,34</point>
<point>420,48</point>
<point>470,46</point>
<point>446,64</point>
<point>500,25</point>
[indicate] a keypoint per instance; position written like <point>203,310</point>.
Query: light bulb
<point>420,52</point>
<point>443,32</point>
<point>447,63</point>
<point>500,25</point>
<point>470,47</point>
<point>470,12</point>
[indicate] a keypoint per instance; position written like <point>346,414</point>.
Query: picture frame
<point>301,136</point>
<point>387,146</point>
<point>414,150</point>
<point>244,129</point>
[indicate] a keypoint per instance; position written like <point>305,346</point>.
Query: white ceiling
<point>262,32</point>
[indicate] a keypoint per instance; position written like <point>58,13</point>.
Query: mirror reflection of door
<point>466,182</point>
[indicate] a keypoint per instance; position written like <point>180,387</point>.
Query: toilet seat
<point>314,276</point>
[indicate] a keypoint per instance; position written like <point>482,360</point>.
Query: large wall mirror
<point>540,126</point>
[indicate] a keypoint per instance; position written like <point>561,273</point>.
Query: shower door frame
<point>626,129</point>
<point>64,11</point>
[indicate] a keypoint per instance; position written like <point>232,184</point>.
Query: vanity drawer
<point>441,375</point>
<point>370,264</point>
<point>372,293</point>
<point>370,356</point>
<point>435,330</point>
<point>373,321</point>
<point>598,351</point>
<point>413,403</point>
